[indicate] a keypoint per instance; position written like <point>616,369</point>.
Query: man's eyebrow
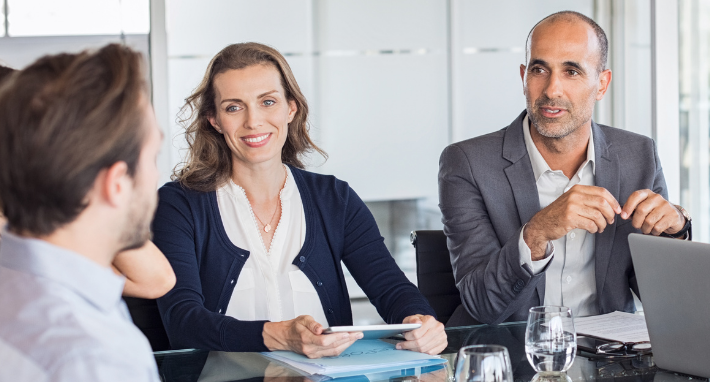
<point>538,61</point>
<point>544,63</point>
<point>259,96</point>
<point>574,65</point>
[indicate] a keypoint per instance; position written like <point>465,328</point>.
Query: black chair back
<point>435,277</point>
<point>146,317</point>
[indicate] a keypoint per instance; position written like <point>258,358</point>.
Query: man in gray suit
<point>530,211</point>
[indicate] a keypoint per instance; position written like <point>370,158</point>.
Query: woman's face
<point>252,113</point>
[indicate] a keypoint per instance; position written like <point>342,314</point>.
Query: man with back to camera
<point>148,273</point>
<point>530,211</point>
<point>78,148</point>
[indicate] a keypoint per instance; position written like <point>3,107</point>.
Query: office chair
<point>435,277</point>
<point>146,317</point>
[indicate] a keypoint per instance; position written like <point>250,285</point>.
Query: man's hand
<point>589,208</point>
<point>305,336</point>
<point>430,338</point>
<point>652,214</point>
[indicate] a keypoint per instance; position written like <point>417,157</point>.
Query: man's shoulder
<point>36,310</point>
<point>484,151</point>
<point>18,366</point>
<point>489,142</point>
<point>72,361</point>
<point>62,325</point>
<point>620,138</point>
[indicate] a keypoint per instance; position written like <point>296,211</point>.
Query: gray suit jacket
<point>487,192</point>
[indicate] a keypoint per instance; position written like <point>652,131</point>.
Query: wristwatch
<point>687,231</point>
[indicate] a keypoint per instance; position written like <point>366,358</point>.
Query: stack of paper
<point>363,357</point>
<point>616,326</point>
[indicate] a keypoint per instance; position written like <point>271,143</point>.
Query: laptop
<point>674,283</point>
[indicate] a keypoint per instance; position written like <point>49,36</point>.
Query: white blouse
<point>269,286</point>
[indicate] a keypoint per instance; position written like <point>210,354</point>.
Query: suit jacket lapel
<point>521,178</point>
<point>606,176</point>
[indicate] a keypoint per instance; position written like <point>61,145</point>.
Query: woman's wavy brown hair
<point>209,161</point>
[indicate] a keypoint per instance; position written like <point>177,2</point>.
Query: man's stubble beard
<point>137,231</point>
<point>571,123</point>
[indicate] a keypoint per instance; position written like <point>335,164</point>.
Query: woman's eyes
<point>233,108</point>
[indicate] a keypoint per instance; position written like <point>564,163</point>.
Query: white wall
<point>382,87</point>
<point>375,75</point>
<point>488,48</point>
<point>196,31</point>
<point>390,83</point>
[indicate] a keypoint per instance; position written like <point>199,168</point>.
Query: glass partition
<point>77,17</point>
<point>694,45</point>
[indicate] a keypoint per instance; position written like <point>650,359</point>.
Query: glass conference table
<point>198,365</point>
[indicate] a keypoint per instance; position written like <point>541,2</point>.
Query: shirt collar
<point>539,164</point>
<point>96,284</point>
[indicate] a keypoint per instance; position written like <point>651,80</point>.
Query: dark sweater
<point>188,229</point>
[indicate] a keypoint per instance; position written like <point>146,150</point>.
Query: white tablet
<point>373,332</point>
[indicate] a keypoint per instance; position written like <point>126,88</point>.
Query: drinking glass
<point>483,363</point>
<point>551,377</point>
<point>550,339</point>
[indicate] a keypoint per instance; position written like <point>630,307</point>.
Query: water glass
<point>483,363</point>
<point>550,339</point>
<point>551,377</point>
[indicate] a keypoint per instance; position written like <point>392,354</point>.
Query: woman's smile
<point>256,140</point>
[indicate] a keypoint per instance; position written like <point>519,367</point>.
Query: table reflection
<point>197,365</point>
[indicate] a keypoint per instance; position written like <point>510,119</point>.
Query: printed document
<point>616,326</point>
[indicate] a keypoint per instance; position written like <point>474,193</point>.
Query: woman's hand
<point>148,273</point>
<point>430,338</point>
<point>305,336</point>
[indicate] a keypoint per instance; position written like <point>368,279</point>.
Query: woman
<point>255,241</point>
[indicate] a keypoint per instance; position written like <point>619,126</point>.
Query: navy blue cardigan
<point>188,229</point>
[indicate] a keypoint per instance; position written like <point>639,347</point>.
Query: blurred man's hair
<point>63,120</point>
<point>5,73</point>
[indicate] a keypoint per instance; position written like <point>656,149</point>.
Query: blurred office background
<point>392,82</point>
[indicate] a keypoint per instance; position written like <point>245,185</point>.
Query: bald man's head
<point>574,17</point>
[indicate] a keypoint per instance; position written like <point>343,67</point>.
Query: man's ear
<point>522,76</point>
<point>604,82</point>
<point>114,184</point>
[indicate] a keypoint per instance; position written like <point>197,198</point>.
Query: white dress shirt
<point>570,278</point>
<point>269,286</point>
<point>62,318</point>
